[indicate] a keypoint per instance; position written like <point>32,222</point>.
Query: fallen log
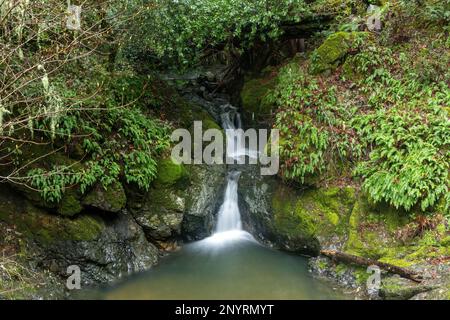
<point>352,259</point>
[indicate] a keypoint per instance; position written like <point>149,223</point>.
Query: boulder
<point>333,50</point>
<point>110,199</point>
<point>103,249</point>
<point>254,107</point>
<point>160,213</point>
<point>203,199</point>
<point>274,214</point>
<point>160,210</point>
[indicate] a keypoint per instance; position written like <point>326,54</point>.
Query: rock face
<point>203,200</point>
<point>112,199</point>
<point>119,249</point>
<point>160,210</point>
<point>268,220</point>
<point>161,213</point>
<point>104,249</point>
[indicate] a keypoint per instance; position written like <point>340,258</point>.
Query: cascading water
<point>229,224</point>
<point>229,217</point>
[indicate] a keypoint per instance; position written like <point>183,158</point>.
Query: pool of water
<point>225,266</point>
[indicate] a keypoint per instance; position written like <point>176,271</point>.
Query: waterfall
<point>229,217</point>
<point>229,224</point>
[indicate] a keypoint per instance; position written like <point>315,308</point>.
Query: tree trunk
<point>352,259</point>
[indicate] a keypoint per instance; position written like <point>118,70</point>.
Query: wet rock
<point>203,200</point>
<point>104,249</point>
<point>121,248</point>
<point>268,221</point>
<point>111,199</point>
<point>161,212</point>
<point>182,202</point>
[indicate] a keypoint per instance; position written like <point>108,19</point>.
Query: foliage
<point>124,144</point>
<point>60,89</point>
<point>312,123</point>
<point>185,29</point>
<point>383,114</point>
<point>409,161</point>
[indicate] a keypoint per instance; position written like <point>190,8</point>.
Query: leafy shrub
<point>117,142</point>
<point>186,28</point>
<point>312,123</point>
<point>409,161</point>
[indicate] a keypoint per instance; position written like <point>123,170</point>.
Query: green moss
<point>317,212</point>
<point>253,93</point>
<point>341,268</point>
<point>111,199</point>
<point>210,124</point>
<point>359,242</point>
<point>291,219</point>
<point>46,228</point>
<point>333,51</point>
<point>115,196</point>
<point>361,275</point>
<point>69,205</point>
<point>396,288</point>
<point>446,241</point>
<point>349,70</point>
<point>322,264</point>
<point>169,172</point>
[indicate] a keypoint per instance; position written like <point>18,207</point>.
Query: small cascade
<point>229,217</point>
<point>229,224</point>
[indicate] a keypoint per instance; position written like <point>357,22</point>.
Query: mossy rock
<point>373,233</point>
<point>316,213</point>
<point>333,50</point>
<point>38,225</point>
<point>70,204</point>
<point>169,172</point>
<point>252,97</point>
<point>161,214</point>
<point>372,229</point>
<point>110,199</point>
<point>349,70</point>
